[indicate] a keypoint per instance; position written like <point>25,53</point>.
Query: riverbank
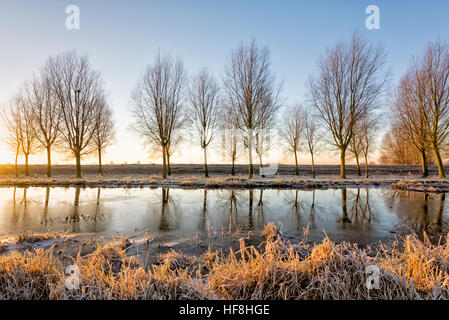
<point>145,170</point>
<point>233,182</point>
<point>409,269</point>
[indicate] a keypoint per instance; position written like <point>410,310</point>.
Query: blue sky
<point>122,37</point>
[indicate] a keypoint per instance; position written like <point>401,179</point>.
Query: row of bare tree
<point>64,106</point>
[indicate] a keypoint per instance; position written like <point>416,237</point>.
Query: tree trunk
<point>313,165</point>
<point>296,164</point>
<point>168,165</point>
<point>261,166</point>
<point>27,169</point>
<point>343,163</point>
<point>48,161</point>
<point>436,152</point>
<point>16,167</point>
<point>250,153</point>
<point>164,163</point>
<point>206,173</point>
<point>100,166</point>
<point>425,171</point>
<point>233,169</point>
<point>366,166</point>
<point>78,165</point>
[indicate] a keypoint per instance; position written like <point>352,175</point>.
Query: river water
<point>359,215</point>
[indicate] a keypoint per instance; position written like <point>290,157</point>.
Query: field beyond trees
<point>124,170</point>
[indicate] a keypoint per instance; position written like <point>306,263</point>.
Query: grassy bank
<point>123,170</point>
<point>229,182</point>
<point>410,269</point>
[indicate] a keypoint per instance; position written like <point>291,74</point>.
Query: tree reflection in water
<point>421,211</point>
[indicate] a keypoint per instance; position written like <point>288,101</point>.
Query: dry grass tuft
<point>28,276</point>
<point>176,260</point>
<point>29,237</point>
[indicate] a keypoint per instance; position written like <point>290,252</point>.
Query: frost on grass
<point>409,269</point>
<point>428,184</point>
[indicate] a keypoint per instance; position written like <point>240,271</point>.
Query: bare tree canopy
<point>251,89</point>
<point>347,86</point>
<point>157,103</point>
<point>79,91</point>
<point>203,111</point>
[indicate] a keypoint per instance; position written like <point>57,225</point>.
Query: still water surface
<point>360,215</point>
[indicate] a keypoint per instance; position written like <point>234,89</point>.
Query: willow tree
<point>46,113</point>
<point>231,142</point>
<point>79,91</point>
<point>158,103</point>
<point>12,121</point>
<point>251,90</point>
<point>27,132</point>
<point>408,120</point>
<point>348,85</point>
<point>203,111</point>
<point>432,78</point>
<point>311,137</point>
<point>104,131</point>
<point>292,130</point>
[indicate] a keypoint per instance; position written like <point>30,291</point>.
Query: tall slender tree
<point>311,137</point>
<point>432,78</point>
<point>158,103</point>
<point>12,120</point>
<point>251,90</point>
<point>79,91</point>
<point>104,131</point>
<point>47,115</point>
<point>347,86</point>
<point>203,111</point>
<point>27,132</point>
<point>292,130</point>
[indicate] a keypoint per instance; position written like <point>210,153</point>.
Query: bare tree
<point>348,85</point>
<point>12,119</point>
<point>367,139</point>
<point>231,142</point>
<point>104,132</point>
<point>251,90</point>
<point>397,148</point>
<point>355,146</point>
<point>292,130</point>
<point>432,77</point>
<point>311,137</point>
<point>203,111</point>
<point>46,113</point>
<point>27,133</point>
<point>79,91</point>
<point>157,100</point>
